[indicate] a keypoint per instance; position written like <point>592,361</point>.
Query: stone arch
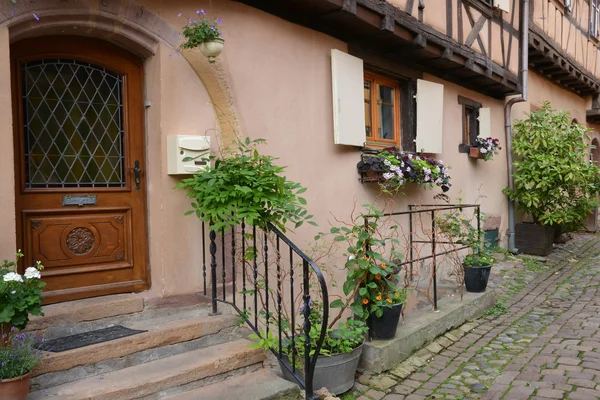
<point>130,25</point>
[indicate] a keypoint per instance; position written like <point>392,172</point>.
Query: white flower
<point>439,180</point>
<point>13,292</point>
<point>427,178</point>
<point>13,277</point>
<point>32,273</point>
<point>407,169</point>
<point>388,175</point>
<point>483,150</point>
<point>387,163</point>
<point>427,171</point>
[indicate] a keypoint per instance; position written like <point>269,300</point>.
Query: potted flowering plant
<point>20,295</point>
<point>204,34</point>
<point>397,168</point>
<point>485,149</point>
<point>371,284</point>
<point>17,359</point>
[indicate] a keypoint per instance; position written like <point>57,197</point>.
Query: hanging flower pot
<point>212,49</point>
<point>204,34</point>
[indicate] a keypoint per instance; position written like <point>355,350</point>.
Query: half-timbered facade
<point>322,81</point>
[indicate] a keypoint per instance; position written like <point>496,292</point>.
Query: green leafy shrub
<point>246,186</point>
<point>554,180</point>
<point>20,295</point>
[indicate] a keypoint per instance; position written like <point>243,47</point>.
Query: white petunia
<point>13,277</point>
<point>483,150</point>
<point>32,273</point>
<point>388,175</point>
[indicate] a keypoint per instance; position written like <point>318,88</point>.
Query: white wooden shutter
<point>430,116</point>
<point>485,123</point>
<point>348,99</point>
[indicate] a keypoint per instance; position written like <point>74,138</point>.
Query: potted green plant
<point>456,229</point>
<point>397,168</point>
<point>371,284</point>
<point>338,359</point>
<point>245,186</point>
<point>20,297</point>
<point>554,181</point>
<point>204,34</point>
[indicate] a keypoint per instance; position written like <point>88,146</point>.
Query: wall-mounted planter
<point>212,49</point>
<point>475,153</point>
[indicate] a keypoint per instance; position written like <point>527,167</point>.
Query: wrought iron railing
<point>427,232</point>
<point>273,286</point>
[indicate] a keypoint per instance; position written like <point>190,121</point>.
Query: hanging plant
<point>485,148</point>
<point>204,34</point>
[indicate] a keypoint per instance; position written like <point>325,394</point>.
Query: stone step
<point>159,333</point>
<point>259,385</point>
<point>73,312</point>
<point>152,377</point>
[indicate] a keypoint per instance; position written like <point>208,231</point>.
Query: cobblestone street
<point>546,346</point>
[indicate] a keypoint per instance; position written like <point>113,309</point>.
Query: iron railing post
<point>410,240</point>
<point>478,210</point>
<point>433,264</point>
<point>213,269</point>
<point>308,371</point>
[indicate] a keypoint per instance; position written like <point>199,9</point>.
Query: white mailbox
<point>182,147</point>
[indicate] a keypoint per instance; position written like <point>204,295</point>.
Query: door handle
<point>137,171</point>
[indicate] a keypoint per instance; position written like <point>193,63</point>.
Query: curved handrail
<point>310,362</point>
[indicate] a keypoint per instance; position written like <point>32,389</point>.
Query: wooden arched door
<point>79,160</point>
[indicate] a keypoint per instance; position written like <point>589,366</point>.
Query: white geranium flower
<point>13,277</point>
<point>32,273</point>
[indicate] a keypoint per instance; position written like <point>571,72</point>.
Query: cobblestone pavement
<point>545,346</point>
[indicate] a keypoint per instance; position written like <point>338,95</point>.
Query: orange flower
<point>378,277</point>
<point>383,266</point>
<point>389,301</point>
<point>378,298</point>
<point>365,301</point>
<point>396,294</point>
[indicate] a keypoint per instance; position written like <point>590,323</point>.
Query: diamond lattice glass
<point>73,125</point>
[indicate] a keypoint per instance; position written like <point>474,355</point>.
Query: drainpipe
<point>524,74</point>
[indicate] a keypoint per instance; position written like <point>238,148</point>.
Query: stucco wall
<point>280,77</point>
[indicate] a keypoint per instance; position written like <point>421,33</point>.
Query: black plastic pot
<point>476,278</point>
<point>384,328</point>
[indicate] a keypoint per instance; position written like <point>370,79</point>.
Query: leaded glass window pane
<point>73,125</point>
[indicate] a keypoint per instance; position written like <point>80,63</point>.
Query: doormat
<point>87,339</point>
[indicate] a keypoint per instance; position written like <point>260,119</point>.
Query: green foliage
<point>246,186</point>
<point>20,356</point>
<point>200,31</point>
<point>20,295</point>
<point>460,230</point>
<point>371,283</point>
<point>554,180</point>
<point>348,336</point>
<point>498,309</point>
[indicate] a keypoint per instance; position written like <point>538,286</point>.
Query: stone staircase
<point>185,354</point>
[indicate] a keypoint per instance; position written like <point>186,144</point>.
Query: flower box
<point>475,153</point>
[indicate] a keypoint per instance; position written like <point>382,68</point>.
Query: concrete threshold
<point>422,328</point>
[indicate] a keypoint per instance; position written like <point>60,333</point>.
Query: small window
<point>382,111</point>
<point>470,119</point>
<point>594,17</point>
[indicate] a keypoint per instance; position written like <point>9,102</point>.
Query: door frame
<point>45,47</point>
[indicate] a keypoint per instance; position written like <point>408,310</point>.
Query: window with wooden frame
<point>470,120</point>
<point>382,111</point>
<point>594,18</point>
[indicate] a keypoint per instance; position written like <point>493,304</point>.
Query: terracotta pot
<point>212,49</point>
<point>475,153</point>
<point>15,389</point>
